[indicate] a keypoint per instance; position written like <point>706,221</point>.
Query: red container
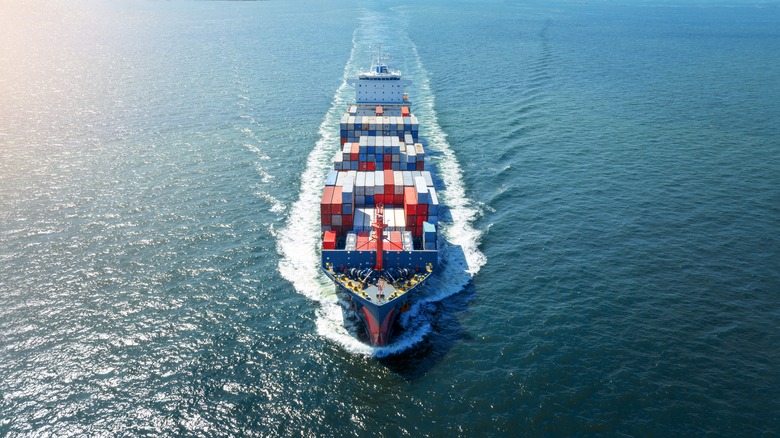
<point>326,219</point>
<point>363,166</point>
<point>335,203</point>
<point>346,221</point>
<point>410,201</point>
<point>398,199</point>
<point>395,243</point>
<point>419,165</point>
<point>329,240</point>
<point>371,166</point>
<point>364,243</point>
<point>325,202</point>
<point>422,210</point>
<point>343,140</point>
<point>379,110</point>
<point>404,111</point>
<point>419,221</point>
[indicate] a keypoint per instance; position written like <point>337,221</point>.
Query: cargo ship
<point>379,208</point>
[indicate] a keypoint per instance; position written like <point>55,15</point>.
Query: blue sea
<point>610,259</point>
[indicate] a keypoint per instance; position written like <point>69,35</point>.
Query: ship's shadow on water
<point>446,331</point>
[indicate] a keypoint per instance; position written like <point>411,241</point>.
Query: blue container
<point>362,157</point>
<point>371,133</point>
<point>371,149</point>
<point>369,199</point>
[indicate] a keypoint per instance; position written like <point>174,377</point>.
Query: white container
<point>360,185</point>
<point>428,178</point>
<point>400,218</point>
<point>398,182</point>
<point>421,189</point>
<point>433,204</point>
<point>379,182</point>
<point>408,179</point>
<point>369,189</point>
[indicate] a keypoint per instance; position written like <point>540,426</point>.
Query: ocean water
<point>611,262</point>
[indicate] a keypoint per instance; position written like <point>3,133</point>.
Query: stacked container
<point>380,162</point>
<point>354,126</point>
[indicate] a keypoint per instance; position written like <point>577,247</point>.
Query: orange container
<point>327,196</point>
<point>335,203</point>
<point>329,240</point>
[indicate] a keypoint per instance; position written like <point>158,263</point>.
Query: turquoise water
<point>611,174</point>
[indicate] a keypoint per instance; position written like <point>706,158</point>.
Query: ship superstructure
<point>379,208</point>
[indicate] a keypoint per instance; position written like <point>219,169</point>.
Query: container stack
<point>380,153</point>
<point>350,197</point>
<point>380,162</point>
<point>352,126</point>
<point>429,235</point>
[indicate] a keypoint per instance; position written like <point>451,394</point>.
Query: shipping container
<point>433,204</point>
<point>360,184</point>
<point>408,180</point>
<point>421,189</point>
<point>327,195</point>
<point>400,217</point>
<point>398,182</point>
<point>329,240</point>
<point>394,242</point>
<point>330,180</point>
<point>379,182</point>
<point>369,183</point>
<point>336,201</point>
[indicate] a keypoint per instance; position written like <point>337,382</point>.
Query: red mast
<point>379,228</point>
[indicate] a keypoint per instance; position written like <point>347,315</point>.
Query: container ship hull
<point>379,207</point>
